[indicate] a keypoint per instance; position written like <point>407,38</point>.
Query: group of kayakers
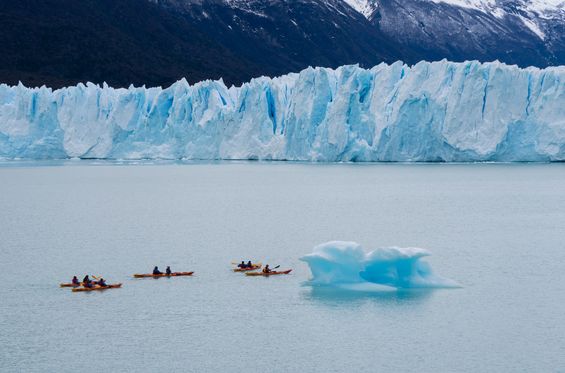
<point>98,283</point>
<point>157,272</point>
<point>88,283</point>
<point>249,265</point>
<point>244,265</point>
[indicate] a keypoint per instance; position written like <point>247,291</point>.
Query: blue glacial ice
<point>348,265</point>
<point>439,111</point>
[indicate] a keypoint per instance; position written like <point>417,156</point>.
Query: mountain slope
<point>523,32</point>
<point>62,42</point>
<point>285,36</point>
<point>156,42</point>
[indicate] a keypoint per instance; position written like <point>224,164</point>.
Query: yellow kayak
<point>69,285</point>
<point>98,287</point>
<point>254,267</point>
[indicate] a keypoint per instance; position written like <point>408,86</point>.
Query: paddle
<point>274,268</point>
<point>97,278</point>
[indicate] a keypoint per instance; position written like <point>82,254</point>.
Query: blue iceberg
<point>348,265</point>
<point>440,111</point>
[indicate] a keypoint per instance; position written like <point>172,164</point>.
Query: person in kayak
<point>249,265</point>
<point>156,271</point>
<point>241,265</point>
<point>86,282</point>
<point>168,270</point>
<point>75,281</point>
<point>267,269</point>
<point>102,282</point>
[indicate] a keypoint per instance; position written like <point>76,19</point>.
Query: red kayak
<point>272,273</point>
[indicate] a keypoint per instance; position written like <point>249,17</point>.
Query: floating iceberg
<point>344,264</point>
<point>439,111</point>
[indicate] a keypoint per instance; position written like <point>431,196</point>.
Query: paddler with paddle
<point>266,269</point>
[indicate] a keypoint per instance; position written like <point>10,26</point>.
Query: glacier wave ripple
<point>348,266</point>
<point>430,112</point>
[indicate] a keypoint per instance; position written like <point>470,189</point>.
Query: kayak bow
<point>69,285</point>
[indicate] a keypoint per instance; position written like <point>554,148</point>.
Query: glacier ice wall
<point>439,111</point>
<point>342,264</point>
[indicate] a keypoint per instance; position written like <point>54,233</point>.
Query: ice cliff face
<point>429,112</point>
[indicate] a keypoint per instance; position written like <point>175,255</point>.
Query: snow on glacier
<point>347,264</point>
<point>440,111</point>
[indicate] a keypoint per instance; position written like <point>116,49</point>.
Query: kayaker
<point>168,271</point>
<point>249,265</point>
<point>267,269</point>
<point>241,265</point>
<point>101,282</point>
<point>156,271</point>
<point>75,281</point>
<point>86,282</point>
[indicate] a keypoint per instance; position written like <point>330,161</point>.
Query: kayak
<point>174,274</point>
<point>96,287</point>
<point>269,274</point>
<point>253,268</point>
<point>69,285</point>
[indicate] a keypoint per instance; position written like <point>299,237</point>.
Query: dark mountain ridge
<point>122,42</point>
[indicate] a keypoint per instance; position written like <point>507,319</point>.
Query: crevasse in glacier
<point>439,111</point>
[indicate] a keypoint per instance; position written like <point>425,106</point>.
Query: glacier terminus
<point>430,112</point>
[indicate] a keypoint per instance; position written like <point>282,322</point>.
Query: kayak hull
<point>69,285</point>
<point>174,274</point>
<point>98,288</point>
<point>274,273</point>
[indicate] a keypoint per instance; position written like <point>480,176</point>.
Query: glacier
<point>348,266</point>
<point>430,112</point>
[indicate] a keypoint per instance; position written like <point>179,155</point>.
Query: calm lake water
<point>499,230</point>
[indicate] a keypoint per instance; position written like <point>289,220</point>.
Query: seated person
<point>86,282</point>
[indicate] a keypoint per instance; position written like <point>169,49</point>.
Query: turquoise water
<point>496,229</point>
